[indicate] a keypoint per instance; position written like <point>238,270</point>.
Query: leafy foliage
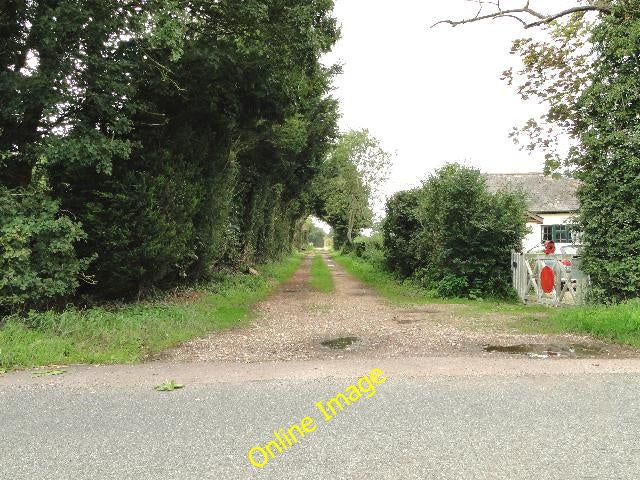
<point>400,226</point>
<point>607,124</point>
<point>168,386</point>
<point>38,257</point>
<point>178,135</point>
<point>349,185</point>
<point>453,236</point>
<point>370,249</point>
<point>312,235</point>
<point>555,71</point>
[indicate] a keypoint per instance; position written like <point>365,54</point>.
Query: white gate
<point>567,285</point>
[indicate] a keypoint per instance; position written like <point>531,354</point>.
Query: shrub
<point>369,248</point>
<point>453,236</point>
<point>399,232</point>
<point>38,259</point>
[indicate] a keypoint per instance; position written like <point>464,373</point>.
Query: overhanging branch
<point>569,11</point>
<point>525,11</point>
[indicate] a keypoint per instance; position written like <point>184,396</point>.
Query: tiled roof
<point>543,193</point>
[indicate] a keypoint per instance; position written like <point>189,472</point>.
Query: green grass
<point>611,323</point>
<point>129,333</point>
<point>408,293</point>
<point>321,279</point>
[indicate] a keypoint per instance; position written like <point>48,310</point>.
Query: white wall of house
<point>534,239</point>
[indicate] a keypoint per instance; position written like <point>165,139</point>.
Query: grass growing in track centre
<point>321,279</point>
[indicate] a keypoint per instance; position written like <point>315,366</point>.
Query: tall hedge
<point>175,136</point>
<point>453,236</point>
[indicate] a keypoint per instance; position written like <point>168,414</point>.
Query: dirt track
<point>293,323</point>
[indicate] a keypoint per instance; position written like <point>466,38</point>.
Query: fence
<point>554,280</point>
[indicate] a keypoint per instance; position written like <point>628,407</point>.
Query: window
<point>557,233</point>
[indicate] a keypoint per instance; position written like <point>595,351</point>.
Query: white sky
<point>432,95</point>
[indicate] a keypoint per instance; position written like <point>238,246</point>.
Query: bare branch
<point>515,17</point>
<point>518,13</point>
<point>501,13</point>
<point>569,11</point>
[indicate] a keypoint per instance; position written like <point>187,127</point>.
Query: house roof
<point>543,193</point>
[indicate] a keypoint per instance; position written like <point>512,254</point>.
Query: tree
<point>353,174</point>
<point>554,69</point>
<point>66,100</point>
<point>607,121</point>
<point>525,14</point>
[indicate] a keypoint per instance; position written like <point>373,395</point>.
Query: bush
<point>369,248</point>
<point>399,232</point>
<point>38,259</point>
<point>453,236</point>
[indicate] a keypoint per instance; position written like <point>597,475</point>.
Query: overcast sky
<point>431,95</point>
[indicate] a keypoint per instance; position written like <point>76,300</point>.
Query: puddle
<point>339,343</point>
<point>586,350</point>
<point>574,350</point>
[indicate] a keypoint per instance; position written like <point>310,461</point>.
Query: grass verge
<point>409,293</point>
<point>321,279</point>
<point>611,323</point>
<point>384,283</point>
<point>129,333</point>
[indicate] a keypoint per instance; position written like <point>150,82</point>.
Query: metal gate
<point>567,285</point>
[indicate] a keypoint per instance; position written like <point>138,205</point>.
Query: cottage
<point>552,205</point>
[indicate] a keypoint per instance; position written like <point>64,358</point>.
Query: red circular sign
<point>547,280</point>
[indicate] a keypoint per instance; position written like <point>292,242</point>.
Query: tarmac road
<point>540,424</point>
